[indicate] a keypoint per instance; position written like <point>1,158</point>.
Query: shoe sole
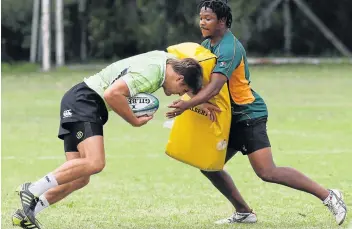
<point>237,222</point>
<point>16,222</point>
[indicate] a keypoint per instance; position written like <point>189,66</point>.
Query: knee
<point>96,166</point>
<point>80,183</point>
<point>84,181</point>
<point>266,175</point>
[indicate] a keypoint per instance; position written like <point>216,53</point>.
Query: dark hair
<point>220,8</point>
<point>191,71</point>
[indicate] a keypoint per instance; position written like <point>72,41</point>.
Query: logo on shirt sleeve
<point>67,114</point>
<point>124,72</point>
<point>223,64</point>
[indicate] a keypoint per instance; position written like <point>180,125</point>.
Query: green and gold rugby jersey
<point>232,62</point>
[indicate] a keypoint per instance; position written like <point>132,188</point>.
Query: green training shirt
<point>232,62</point>
<point>142,73</point>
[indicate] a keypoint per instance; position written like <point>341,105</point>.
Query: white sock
<point>43,185</point>
<point>41,205</point>
<point>327,198</point>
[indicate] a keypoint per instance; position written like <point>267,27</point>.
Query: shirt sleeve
<point>228,59</point>
<point>143,80</point>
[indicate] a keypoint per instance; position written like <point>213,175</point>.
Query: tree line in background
<point>113,29</point>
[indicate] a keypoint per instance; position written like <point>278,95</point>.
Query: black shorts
<point>81,104</point>
<point>80,131</point>
<point>248,136</point>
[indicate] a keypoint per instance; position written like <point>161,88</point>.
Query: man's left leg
<point>264,166</point>
<point>261,159</point>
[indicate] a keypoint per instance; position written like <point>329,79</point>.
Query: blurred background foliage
<point>120,28</point>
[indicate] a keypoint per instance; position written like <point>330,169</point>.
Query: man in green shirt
<point>84,111</point>
<point>248,132</point>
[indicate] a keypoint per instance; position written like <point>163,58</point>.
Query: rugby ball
<point>143,104</point>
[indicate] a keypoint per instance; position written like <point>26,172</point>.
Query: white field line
<point>62,157</point>
<point>161,154</point>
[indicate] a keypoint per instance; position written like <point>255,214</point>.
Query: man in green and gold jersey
<point>248,132</point>
<point>84,111</point>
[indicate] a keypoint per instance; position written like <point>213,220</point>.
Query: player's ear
<point>180,77</point>
<point>222,21</point>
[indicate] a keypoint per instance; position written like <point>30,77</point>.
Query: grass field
<point>310,128</point>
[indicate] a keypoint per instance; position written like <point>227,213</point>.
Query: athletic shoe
<point>19,219</point>
<point>238,217</point>
<point>336,205</point>
<point>28,201</point>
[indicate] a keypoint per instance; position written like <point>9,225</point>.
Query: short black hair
<point>191,70</point>
<point>220,8</point>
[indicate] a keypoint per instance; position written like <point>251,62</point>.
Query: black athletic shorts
<point>81,104</point>
<point>80,131</point>
<point>247,136</point>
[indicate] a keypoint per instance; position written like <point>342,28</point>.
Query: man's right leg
<point>93,162</point>
<point>71,170</point>
<point>54,195</point>
<point>224,183</point>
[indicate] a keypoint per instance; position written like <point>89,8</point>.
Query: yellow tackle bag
<point>194,139</point>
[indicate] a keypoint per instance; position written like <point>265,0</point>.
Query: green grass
<point>310,128</point>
